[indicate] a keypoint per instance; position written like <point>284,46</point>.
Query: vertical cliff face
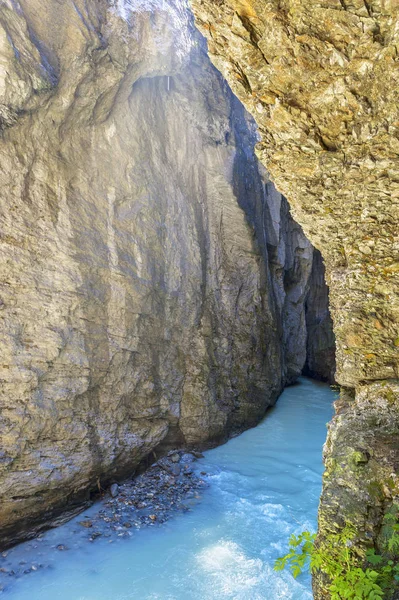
<point>295,271</point>
<point>154,286</point>
<point>320,349</point>
<point>321,79</point>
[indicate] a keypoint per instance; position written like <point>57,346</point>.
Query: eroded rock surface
<point>321,79</point>
<point>153,282</point>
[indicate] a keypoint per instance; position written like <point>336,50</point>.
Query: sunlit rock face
<point>154,286</point>
<point>321,80</point>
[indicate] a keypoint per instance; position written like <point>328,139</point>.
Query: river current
<point>263,486</point>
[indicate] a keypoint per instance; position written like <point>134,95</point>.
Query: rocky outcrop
<point>321,79</point>
<point>153,282</point>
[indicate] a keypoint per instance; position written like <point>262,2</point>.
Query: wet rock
<point>86,524</point>
<point>151,498</point>
<point>197,454</point>
<point>175,470</point>
<point>187,457</point>
<point>114,490</point>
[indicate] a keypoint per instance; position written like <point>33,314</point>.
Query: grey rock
<point>187,457</point>
<point>114,490</point>
<point>320,344</point>
<point>197,454</point>
<point>175,470</point>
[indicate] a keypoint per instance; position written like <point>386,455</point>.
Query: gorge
<point>156,292</point>
<point>155,287</point>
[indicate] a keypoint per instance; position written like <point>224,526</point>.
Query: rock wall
<point>321,79</point>
<point>153,282</point>
<point>320,353</point>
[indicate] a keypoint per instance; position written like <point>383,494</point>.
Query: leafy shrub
<point>350,577</point>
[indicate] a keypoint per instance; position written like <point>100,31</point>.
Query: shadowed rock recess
<point>154,287</point>
<point>321,79</point>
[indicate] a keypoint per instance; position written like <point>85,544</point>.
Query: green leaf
<point>373,558</point>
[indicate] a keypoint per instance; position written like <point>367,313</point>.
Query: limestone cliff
<point>321,79</point>
<point>153,284</point>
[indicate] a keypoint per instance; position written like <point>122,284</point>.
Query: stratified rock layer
<point>153,282</point>
<point>321,78</point>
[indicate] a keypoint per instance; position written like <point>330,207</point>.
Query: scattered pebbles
<point>169,486</point>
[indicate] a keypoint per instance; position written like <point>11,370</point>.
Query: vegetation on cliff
<point>349,575</point>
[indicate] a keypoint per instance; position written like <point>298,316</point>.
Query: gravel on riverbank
<point>169,486</point>
<point>151,497</point>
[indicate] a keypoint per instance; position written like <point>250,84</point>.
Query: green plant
<point>300,554</point>
<point>350,575</point>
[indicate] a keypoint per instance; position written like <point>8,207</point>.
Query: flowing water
<point>264,485</point>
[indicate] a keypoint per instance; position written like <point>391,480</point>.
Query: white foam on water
<point>231,570</point>
<point>233,574</point>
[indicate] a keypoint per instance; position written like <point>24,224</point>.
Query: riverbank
<point>169,486</point>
